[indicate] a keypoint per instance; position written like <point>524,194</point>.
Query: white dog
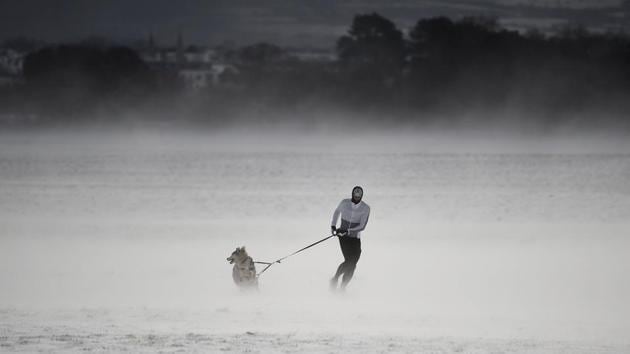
<point>244,270</point>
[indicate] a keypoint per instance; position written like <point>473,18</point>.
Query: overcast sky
<point>288,22</point>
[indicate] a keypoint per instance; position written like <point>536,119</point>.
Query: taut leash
<point>269,264</point>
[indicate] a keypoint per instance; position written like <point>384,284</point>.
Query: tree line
<point>441,68</point>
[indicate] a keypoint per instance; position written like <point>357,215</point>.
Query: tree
<point>373,51</point>
<point>260,63</point>
<point>73,78</point>
<point>471,38</point>
<point>23,44</point>
<point>261,54</point>
<point>92,68</point>
<point>467,61</point>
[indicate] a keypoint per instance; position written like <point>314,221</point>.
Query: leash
<point>269,264</point>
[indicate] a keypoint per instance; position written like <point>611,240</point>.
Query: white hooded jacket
<point>354,217</point>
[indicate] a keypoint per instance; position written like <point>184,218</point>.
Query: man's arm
<point>336,215</point>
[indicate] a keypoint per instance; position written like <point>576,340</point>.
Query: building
<point>197,67</point>
<point>312,55</point>
<point>196,79</point>
<point>11,67</point>
<point>11,61</point>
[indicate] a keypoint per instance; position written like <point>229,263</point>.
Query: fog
<point>477,242</point>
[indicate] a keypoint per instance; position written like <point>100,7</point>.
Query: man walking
<point>354,217</point>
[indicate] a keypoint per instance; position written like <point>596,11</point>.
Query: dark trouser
<point>351,249</point>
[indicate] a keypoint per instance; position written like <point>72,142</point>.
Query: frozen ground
<point>117,241</point>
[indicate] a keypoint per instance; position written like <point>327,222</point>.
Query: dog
<point>244,270</point>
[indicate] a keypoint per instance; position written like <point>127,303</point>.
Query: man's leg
<point>353,255</point>
<point>341,269</point>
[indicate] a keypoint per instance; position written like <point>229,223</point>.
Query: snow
<point>117,241</point>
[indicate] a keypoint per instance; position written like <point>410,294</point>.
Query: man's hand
<point>333,229</point>
<point>342,233</point>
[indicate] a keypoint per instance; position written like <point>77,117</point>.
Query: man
<point>354,217</point>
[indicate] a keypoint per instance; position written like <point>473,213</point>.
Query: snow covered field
<point>117,241</point>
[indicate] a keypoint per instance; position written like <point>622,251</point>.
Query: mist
<point>475,243</point>
<point>461,73</point>
<point>495,161</point>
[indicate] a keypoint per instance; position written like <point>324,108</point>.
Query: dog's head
<point>238,255</point>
